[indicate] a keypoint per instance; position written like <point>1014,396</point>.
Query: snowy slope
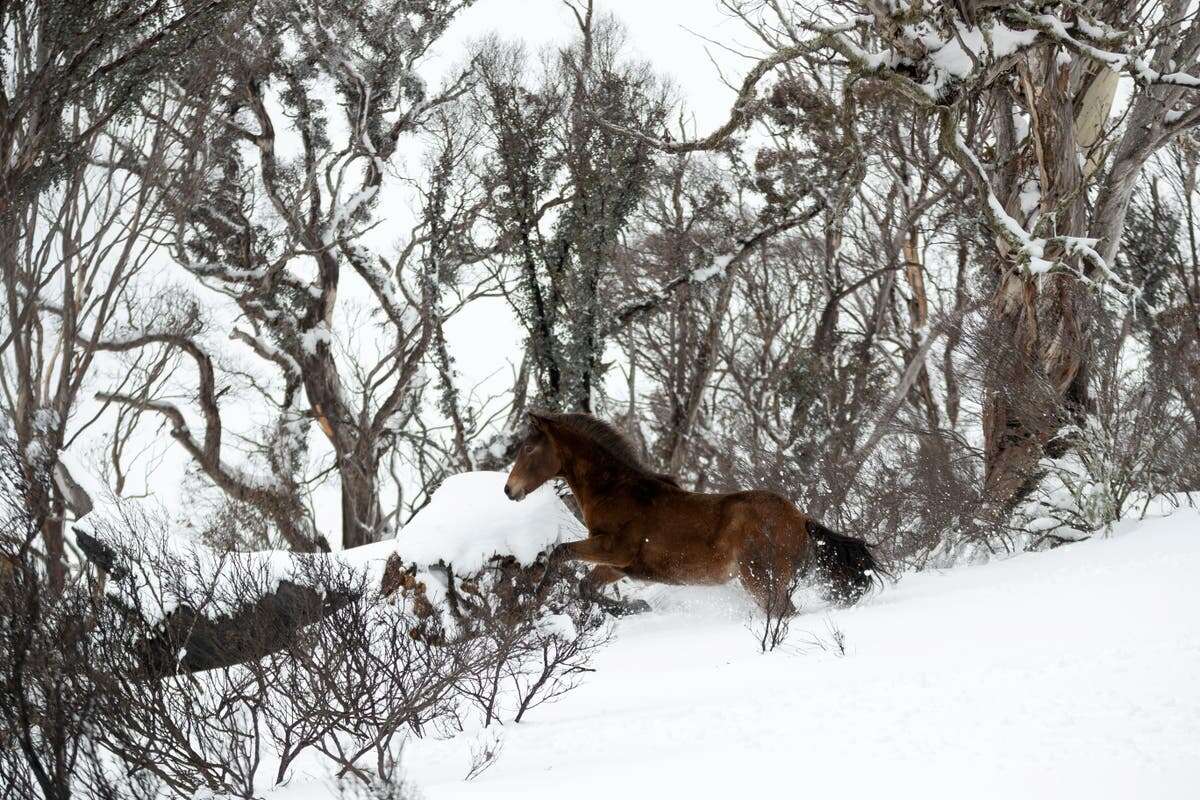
<point>1063,674</point>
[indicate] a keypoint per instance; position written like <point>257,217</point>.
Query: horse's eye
<point>528,449</point>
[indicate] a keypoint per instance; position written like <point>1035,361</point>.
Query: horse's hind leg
<point>770,581</point>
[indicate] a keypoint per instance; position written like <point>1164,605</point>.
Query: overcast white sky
<point>668,33</point>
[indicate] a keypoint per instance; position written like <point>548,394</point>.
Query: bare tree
<point>284,274</point>
<point>70,235</point>
<point>1057,73</point>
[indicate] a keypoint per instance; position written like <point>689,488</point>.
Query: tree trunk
<point>1038,376</point>
<point>362,516</point>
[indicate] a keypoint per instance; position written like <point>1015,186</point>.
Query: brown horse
<point>643,525</point>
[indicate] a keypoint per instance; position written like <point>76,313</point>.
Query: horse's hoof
<point>626,608</point>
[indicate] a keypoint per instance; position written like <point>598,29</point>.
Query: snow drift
<point>196,601</point>
<point>1069,673</point>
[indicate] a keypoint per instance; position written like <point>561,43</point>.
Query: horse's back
<point>698,538</point>
<point>762,506</point>
<point>733,513</point>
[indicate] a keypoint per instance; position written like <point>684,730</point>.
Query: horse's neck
<point>587,483</point>
<point>580,475</point>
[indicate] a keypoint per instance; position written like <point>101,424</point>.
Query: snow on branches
<point>948,60</point>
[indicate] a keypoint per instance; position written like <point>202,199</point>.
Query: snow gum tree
<point>282,149</point>
<point>1023,98</point>
<point>561,190</point>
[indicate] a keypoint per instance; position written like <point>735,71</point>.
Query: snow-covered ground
<point>1072,673</point>
<point>1069,673</point>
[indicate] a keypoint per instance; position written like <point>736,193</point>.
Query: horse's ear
<point>538,419</point>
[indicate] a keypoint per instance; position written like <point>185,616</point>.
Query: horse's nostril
<point>507,492</point>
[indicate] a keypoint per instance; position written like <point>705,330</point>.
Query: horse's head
<point>537,459</point>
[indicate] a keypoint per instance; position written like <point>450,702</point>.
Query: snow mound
<point>469,520</point>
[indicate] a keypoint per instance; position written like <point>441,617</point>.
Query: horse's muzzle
<point>511,495</point>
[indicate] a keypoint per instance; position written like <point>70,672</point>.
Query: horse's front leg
<point>602,575</point>
<point>609,556</point>
<point>599,548</point>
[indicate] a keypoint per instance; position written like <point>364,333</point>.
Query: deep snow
<point>1070,673</point>
<point>467,521</point>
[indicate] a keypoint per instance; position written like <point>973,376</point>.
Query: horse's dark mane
<point>608,441</point>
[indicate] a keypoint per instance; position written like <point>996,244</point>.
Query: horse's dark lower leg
<point>602,575</point>
<point>771,587</point>
<point>592,588</point>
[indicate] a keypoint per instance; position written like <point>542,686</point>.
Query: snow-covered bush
<point>1083,492</point>
<point>541,629</point>
<point>226,672</point>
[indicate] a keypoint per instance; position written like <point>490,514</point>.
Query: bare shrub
<point>558,652</point>
<point>358,685</point>
<point>53,681</point>
<point>391,788</point>
<point>540,629</point>
<point>180,670</point>
<point>220,671</point>
<point>775,577</point>
<point>832,641</point>
<point>349,687</point>
<point>484,754</point>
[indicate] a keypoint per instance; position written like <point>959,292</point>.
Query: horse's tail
<point>845,566</point>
